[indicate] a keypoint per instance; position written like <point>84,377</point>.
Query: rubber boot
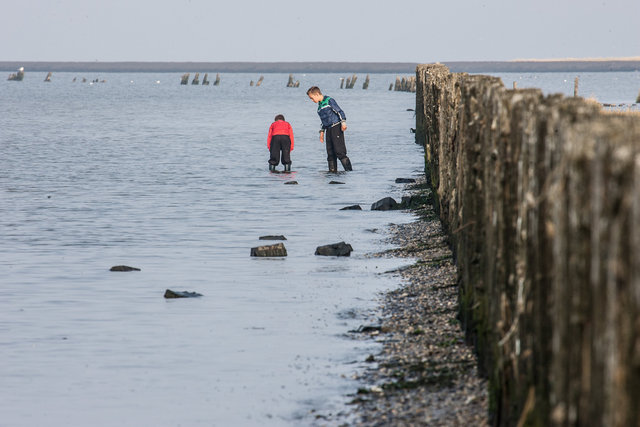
<point>346,163</point>
<point>272,168</point>
<point>333,166</point>
<point>287,168</point>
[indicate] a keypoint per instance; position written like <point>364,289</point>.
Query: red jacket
<point>280,127</point>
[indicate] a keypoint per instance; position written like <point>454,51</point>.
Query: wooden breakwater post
<point>196,79</point>
<point>341,82</point>
<point>575,86</point>
<point>48,78</point>
<point>184,79</point>
<point>259,82</point>
<point>217,81</point>
<point>540,196</point>
<point>365,85</point>
<point>292,83</point>
<point>638,98</point>
<point>205,79</point>
<point>18,76</point>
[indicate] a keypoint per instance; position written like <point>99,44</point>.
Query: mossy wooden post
<point>575,87</point>
<point>217,82</point>
<point>365,85</point>
<point>196,79</point>
<point>184,79</point>
<point>259,82</point>
<point>341,82</point>
<point>48,78</point>
<point>205,79</point>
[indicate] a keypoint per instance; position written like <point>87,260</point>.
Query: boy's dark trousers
<point>280,143</point>
<point>336,148</point>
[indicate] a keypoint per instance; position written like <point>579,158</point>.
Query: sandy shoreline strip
<point>425,374</point>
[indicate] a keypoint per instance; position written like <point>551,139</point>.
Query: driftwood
<point>17,77</point>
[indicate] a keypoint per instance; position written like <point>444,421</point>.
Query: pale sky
<point>288,30</point>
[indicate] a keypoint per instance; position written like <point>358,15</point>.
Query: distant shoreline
<point>537,66</point>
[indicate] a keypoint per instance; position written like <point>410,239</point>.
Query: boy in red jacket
<point>280,143</point>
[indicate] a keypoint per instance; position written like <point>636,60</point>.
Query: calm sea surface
<point>174,180</point>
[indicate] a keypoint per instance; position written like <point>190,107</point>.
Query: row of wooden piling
<point>196,79</point>
<point>541,199</point>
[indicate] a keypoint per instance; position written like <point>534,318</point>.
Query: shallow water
<point>173,180</point>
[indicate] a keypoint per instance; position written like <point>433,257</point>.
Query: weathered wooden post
<point>515,85</point>
<point>638,98</point>
<point>353,81</point>
<point>251,83</point>
<point>297,83</point>
<point>391,86</point>
<point>341,82</point>
<point>184,79</point>
<point>290,82</point>
<point>205,80</point>
<point>575,87</point>
<point>48,78</point>
<point>196,79</point>
<point>17,77</point>
<point>260,81</point>
<point>347,83</point>
<point>217,82</point>
<point>398,85</point>
<point>365,85</point>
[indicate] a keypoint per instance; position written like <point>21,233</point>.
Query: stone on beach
<point>273,237</point>
<point>277,250</point>
<point>335,182</point>
<point>291,183</point>
<point>386,204</point>
<point>352,208</point>
<point>169,294</point>
<point>405,180</point>
<point>123,268</point>
<point>335,249</point>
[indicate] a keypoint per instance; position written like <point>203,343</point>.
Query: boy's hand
<point>344,127</point>
<point>322,137</point>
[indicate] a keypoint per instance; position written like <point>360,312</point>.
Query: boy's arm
<point>336,108</point>
<point>269,137</point>
<point>291,136</point>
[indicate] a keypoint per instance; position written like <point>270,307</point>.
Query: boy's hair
<point>314,90</point>
<point>278,117</point>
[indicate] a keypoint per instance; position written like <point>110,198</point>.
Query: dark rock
<point>351,208</point>
<point>335,182</point>
<point>274,237</point>
<point>405,180</point>
<point>386,204</point>
<point>177,294</point>
<point>123,268</point>
<point>291,183</point>
<point>365,329</point>
<point>276,250</point>
<point>335,249</point>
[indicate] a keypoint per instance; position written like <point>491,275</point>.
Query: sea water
<point>142,171</point>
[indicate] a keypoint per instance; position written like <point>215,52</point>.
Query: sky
<point>328,30</point>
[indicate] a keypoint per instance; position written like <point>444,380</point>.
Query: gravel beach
<point>425,374</point>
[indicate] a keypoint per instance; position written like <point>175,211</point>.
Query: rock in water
<point>291,183</point>
<point>123,268</point>
<point>177,294</point>
<point>335,182</point>
<point>273,237</point>
<point>405,180</point>
<point>276,250</point>
<point>335,249</point>
<point>352,208</point>
<point>386,204</point>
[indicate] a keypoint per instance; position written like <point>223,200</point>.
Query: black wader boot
<point>272,168</point>
<point>346,163</point>
<point>333,166</point>
<point>287,168</point>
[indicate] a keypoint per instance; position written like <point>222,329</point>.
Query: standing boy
<point>334,123</point>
